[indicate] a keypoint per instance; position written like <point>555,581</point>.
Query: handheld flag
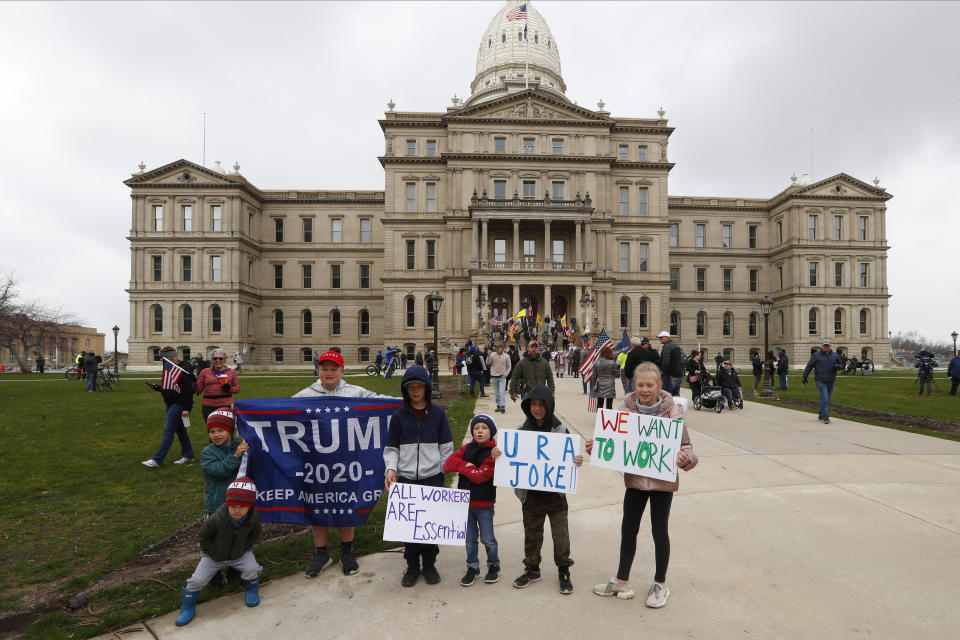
<point>586,368</point>
<point>171,375</point>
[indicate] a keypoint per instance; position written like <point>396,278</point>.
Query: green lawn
<point>76,500</point>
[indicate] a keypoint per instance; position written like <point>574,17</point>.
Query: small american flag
<point>171,375</point>
<point>518,13</point>
<point>586,368</point>
<point>592,402</point>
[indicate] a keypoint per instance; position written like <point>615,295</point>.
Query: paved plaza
<point>787,528</point>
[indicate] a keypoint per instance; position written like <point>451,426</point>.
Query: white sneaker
<point>151,464</point>
<point>613,587</point>
<point>183,461</point>
<point>657,596</point>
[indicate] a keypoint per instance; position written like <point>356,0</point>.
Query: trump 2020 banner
<point>316,461</point>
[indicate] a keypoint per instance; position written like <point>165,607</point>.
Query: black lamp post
<point>954,336</point>
<point>765,306</point>
<point>116,358</point>
<point>436,301</point>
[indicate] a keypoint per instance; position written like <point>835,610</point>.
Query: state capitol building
<point>512,198</point>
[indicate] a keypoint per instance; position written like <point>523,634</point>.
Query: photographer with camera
<point>953,372</point>
<point>924,366</point>
<point>824,364</point>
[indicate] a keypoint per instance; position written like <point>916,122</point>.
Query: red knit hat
<point>221,419</point>
<point>242,493</point>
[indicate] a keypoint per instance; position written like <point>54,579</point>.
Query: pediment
<point>183,172</point>
<point>842,186</point>
<point>527,105</point>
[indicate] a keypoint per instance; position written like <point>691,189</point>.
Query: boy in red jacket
<point>474,462</point>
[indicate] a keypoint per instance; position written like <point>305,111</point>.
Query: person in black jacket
<point>757,370</point>
<point>179,401</point>
<point>783,367</point>
<point>729,382</point>
<point>696,373</point>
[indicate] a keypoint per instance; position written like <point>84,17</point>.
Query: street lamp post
<point>954,336</point>
<point>436,301</point>
<point>765,306</point>
<point>116,358</point>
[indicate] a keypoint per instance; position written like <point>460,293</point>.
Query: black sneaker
<point>469,577</point>
<point>493,574</point>
<point>410,576</point>
<point>321,560</point>
<point>566,587</point>
<point>349,563</point>
<point>530,574</point>
<point>216,581</point>
<point>430,574</point>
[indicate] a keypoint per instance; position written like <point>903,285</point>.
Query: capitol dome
<point>504,56</point>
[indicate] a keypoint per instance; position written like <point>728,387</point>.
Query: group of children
<point>418,450</point>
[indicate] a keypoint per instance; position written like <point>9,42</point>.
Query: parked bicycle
<point>75,373</point>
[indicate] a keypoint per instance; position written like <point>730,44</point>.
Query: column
<point>516,254</point>
<point>515,305</point>
<point>476,238</point>
<point>586,241</point>
<point>547,297</point>
<point>454,310</point>
<point>579,253</point>
<point>547,251</point>
<point>474,292</point>
<point>483,243</point>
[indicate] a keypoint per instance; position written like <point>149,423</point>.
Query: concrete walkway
<point>788,528</point>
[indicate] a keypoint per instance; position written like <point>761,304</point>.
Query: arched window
<point>411,313</point>
<point>186,317</point>
<point>838,321</point>
<point>624,312</point>
<point>364,323</point>
<point>674,323</point>
<point>431,318</point>
<point>278,322</point>
<point>503,37</point>
<point>864,321</point>
<point>752,325</point>
<point>812,322</point>
<point>335,322</point>
<point>536,38</point>
<point>701,323</point>
<point>727,323</point>
<point>216,319</point>
<point>307,322</point>
<point>520,36</point>
<point>157,318</point>
<point>642,316</point>
<point>250,322</point>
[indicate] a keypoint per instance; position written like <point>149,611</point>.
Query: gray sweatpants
<point>245,564</point>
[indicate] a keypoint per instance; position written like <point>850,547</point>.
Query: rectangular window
<point>528,145</point>
<point>529,251</point>
<point>500,145</point>
<point>188,217</point>
<point>411,197</point>
<point>411,255</point>
<point>186,268</point>
<point>411,147</point>
<point>307,227</point>
<point>780,274</point>
<point>557,190</point>
<point>336,230</point>
<point>307,273</point>
<point>701,279</point>
<point>752,236</point>
<point>863,275</point>
<point>838,322</point>
<point>499,250</point>
<point>624,200</point>
<point>811,227</point>
<point>500,189</point>
<point>863,321</point>
<point>701,234</point>
<point>431,197</point>
<point>364,276</point>
<point>365,226</point>
<point>674,278</point>
<point>813,274</point>
<point>644,248</point>
<point>278,229</point>
<point>622,152</point>
<point>216,263</point>
<point>642,201</point>
<point>216,217</point>
<point>335,276</point>
<point>754,280</point>
<point>558,252</point>
<point>862,228</point>
<point>726,236</point>
<point>431,147</point>
<point>728,279</point>
<point>529,189</point>
<point>779,232</point>
<point>624,257</point>
<point>642,152</point>
<point>431,254</point>
<point>838,274</point>
<point>558,145</point>
<point>158,217</point>
<point>838,227</point>
<point>157,268</point>
<point>278,355</point>
<point>674,235</point>
<point>278,276</point>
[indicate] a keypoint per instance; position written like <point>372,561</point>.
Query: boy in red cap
<point>331,383</point>
<point>226,540</point>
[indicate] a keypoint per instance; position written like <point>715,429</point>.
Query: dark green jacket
<point>530,373</point>
<point>222,539</point>
<point>220,467</point>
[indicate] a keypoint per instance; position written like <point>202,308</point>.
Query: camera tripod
<point>925,378</point>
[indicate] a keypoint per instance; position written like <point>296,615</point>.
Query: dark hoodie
<point>550,423</point>
<point>417,448</point>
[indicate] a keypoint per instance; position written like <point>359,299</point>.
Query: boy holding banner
<point>647,399</point>
<point>538,505</point>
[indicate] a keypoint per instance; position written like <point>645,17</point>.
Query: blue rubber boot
<point>252,595</point>
<point>188,607</point>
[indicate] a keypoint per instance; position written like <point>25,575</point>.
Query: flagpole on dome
<point>526,36</point>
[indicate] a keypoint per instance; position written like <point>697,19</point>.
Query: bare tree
<point>25,325</point>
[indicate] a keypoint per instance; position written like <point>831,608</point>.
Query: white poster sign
<point>537,460</point>
<point>429,515</point>
<point>641,445</point>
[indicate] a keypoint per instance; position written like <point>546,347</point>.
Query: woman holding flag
<point>176,387</point>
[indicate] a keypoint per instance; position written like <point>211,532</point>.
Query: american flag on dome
<point>171,375</point>
<point>586,367</point>
<point>518,13</point>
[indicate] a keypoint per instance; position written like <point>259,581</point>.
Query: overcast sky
<point>293,93</point>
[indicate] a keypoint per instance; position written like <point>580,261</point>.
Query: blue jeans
<point>480,519</point>
<point>91,381</point>
<point>728,394</point>
<point>174,425</point>
<point>672,385</point>
<point>783,382</point>
<point>825,389</point>
<point>500,390</point>
<point>476,376</point>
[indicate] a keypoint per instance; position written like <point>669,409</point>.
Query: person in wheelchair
<point>729,383</point>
